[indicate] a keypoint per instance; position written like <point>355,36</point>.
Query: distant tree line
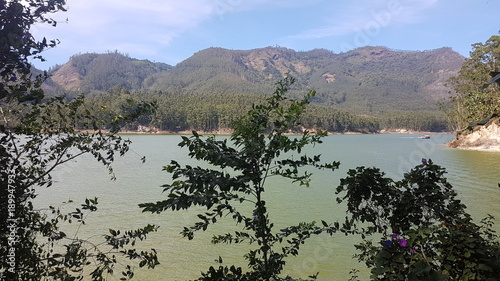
<point>213,112</point>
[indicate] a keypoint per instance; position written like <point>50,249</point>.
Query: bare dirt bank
<point>485,137</point>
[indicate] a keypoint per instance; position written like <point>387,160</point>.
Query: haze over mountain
<point>367,80</point>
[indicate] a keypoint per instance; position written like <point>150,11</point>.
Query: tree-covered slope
<point>101,72</point>
<point>369,79</point>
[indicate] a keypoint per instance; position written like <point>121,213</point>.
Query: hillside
<point>100,72</point>
<point>370,79</point>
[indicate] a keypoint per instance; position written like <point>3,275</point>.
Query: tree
<point>36,136</point>
<point>239,173</point>
<point>475,99</point>
<point>43,139</point>
<point>426,232</point>
<point>17,45</point>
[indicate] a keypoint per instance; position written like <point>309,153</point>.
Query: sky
<point>171,31</point>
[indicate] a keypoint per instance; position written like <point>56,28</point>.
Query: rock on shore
<point>481,137</point>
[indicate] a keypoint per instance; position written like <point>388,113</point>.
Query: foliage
<point>37,135</point>
<point>44,139</point>
<point>101,256</point>
<point>209,113</point>
<point>426,232</point>
<point>476,99</point>
<point>423,121</point>
<point>17,45</point>
<point>237,178</point>
<point>216,112</point>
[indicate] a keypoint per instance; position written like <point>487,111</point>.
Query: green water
<point>474,174</point>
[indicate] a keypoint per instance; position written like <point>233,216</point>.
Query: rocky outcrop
<point>480,137</point>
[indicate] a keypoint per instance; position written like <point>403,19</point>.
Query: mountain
<point>100,72</point>
<point>367,80</point>
<point>373,79</point>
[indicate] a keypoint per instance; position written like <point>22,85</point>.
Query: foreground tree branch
<point>239,171</point>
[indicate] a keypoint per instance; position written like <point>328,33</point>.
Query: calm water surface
<point>474,174</point>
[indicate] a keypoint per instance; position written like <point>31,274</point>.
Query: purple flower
<point>387,243</point>
<point>395,236</point>
<point>403,242</point>
<point>412,250</point>
<point>424,161</point>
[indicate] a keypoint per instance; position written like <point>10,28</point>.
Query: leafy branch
<point>239,168</point>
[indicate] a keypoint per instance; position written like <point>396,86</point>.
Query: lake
<point>474,174</point>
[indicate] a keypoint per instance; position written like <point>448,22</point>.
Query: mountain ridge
<point>366,80</point>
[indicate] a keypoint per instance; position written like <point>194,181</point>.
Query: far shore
<point>227,132</point>
<point>224,132</point>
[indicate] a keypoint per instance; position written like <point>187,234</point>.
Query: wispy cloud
<point>365,14</point>
<point>138,20</point>
<point>138,26</point>
<point>413,11</point>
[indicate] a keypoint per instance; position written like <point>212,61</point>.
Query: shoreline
<point>484,137</point>
<point>479,148</point>
<point>226,132</point>
<point>489,147</point>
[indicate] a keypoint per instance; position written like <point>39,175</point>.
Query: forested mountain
<point>373,87</point>
<point>369,79</point>
<point>85,73</point>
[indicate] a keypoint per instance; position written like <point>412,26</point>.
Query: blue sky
<point>172,30</point>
